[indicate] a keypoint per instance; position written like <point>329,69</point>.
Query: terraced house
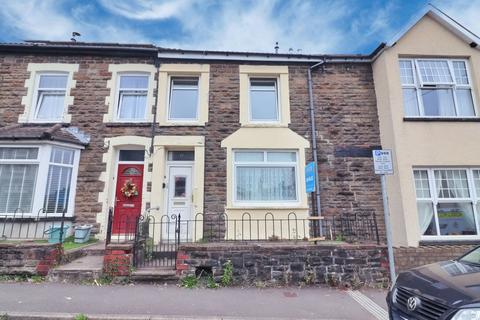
<point>164,146</point>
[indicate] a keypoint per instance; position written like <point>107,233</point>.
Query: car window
<point>472,257</point>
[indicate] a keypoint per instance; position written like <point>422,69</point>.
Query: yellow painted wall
<point>421,143</point>
<point>275,138</point>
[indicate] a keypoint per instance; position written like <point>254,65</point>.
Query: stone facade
<point>289,263</point>
<point>347,127</point>
<point>411,257</point>
<point>29,258</point>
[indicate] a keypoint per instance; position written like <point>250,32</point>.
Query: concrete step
<point>87,268</point>
<point>158,274</point>
<point>95,249</point>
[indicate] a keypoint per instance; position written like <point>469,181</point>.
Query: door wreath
<point>129,189</point>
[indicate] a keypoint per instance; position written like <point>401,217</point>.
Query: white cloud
<point>309,26</point>
<point>146,9</point>
<point>463,11</point>
<point>327,26</point>
<point>49,20</point>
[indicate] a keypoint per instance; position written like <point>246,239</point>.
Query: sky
<point>299,26</point>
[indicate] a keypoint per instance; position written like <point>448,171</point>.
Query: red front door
<point>128,198</point>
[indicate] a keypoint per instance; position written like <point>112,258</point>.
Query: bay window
<point>447,202</point>
<point>265,177</point>
<point>37,178</point>
<point>436,88</point>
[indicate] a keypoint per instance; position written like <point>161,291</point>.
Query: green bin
<point>54,234</point>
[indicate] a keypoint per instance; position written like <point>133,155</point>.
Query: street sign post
<point>383,164</point>
<point>310,177</point>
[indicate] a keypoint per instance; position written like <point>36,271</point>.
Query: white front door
<point>179,200</point>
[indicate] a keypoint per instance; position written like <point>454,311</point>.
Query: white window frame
<point>36,96</point>
<point>171,78</point>
<point>265,163</point>
<point>130,91</point>
<point>277,98</point>
<point>419,84</point>
<point>43,162</point>
<point>474,199</point>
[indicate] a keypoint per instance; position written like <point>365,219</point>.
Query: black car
<point>444,290</point>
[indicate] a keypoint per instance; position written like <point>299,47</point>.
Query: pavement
<point>62,301</point>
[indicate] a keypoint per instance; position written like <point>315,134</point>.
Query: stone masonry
<point>288,263</point>
<point>29,258</point>
<point>347,127</point>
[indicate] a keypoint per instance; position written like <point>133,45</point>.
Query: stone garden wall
<point>28,258</point>
<point>289,263</point>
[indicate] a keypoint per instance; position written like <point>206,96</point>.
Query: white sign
<point>382,160</point>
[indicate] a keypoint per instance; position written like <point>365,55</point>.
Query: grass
<point>69,244</point>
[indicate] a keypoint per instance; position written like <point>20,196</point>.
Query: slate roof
<point>56,132</point>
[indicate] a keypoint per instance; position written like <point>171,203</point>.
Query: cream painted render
<point>110,158</point>
<point>278,72</point>
<point>28,101</point>
<point>202,71</point>
<point>417,144</point>
<point>265,138</point>
<point>112,99</point>
<point>156,197</point>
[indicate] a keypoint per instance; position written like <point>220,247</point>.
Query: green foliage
<point>4,316</point>
<point>80,316</point>
<point>104,280</point>
<point>21,278</point>
<point>37,279</point>
<point>211,284</point>
<point>70,244</point>
<point>340,238</point>
<point>227,277</point>
<point>189,282</point>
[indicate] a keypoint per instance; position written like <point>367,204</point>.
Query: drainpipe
<point>314,140</point>
<point>152,134</point>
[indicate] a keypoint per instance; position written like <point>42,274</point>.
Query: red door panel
<point>127,209</point>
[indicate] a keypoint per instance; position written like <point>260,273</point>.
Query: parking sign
<point>382,161</point>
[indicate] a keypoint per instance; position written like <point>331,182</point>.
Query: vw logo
<point>413,303</point>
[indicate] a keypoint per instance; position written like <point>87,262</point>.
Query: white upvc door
<point>179,200</point>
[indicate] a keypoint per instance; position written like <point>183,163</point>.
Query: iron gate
<point>156,242</point>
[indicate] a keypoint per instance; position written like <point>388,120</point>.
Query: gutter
<point>311,107</point>
<point>215,56</point>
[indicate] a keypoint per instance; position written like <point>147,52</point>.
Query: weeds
<point>80,316</point>
<point>4,316</point>
<point>227,277</point>
<point>189,282</point>
<point>211,284</point>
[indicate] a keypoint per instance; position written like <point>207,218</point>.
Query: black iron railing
<point>220,227</point>
<point>25,226</point>
<point>156,237</point>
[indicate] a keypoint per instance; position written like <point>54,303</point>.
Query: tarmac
<point>158,302</point>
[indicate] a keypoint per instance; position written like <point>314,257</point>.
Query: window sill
<point>128,124</point>
<point>181,124</point>
<point>448,242</point>
<point>264,207</point>
<point>26,218</point>
<point>440,119</point>
<point>264,125</point>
